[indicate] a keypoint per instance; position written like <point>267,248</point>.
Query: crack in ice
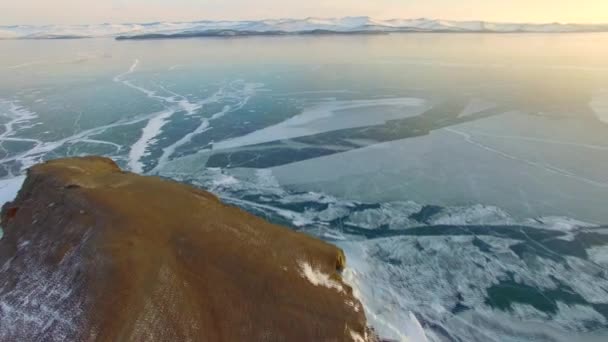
<point>549,168</point>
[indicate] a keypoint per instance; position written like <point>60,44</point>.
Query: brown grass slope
<point>92,253</point>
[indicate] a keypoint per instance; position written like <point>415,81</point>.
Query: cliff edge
<point>93,253</point>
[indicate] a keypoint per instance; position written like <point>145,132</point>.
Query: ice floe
<point>444,281</point>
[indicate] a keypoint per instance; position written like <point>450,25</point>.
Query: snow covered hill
<point>281,26</point>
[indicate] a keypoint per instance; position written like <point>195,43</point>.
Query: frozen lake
<point>465,175</point>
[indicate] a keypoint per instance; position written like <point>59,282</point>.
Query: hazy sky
<point>97,11</point>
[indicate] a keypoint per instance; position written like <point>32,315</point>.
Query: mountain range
<point>347,25</point>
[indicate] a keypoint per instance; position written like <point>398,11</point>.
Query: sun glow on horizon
<point>120,11</point>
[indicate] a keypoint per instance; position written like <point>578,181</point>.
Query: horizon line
<point>315,17</point>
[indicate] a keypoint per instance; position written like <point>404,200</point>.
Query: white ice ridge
<point>18,118</point>
<point>318,278</point>
<point>237,93</point>
<point>21,118</point>
<point>132,68</point>
<point>140,148</point>
<point>283,26</point>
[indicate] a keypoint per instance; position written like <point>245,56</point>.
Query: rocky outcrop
<point>92,253</point>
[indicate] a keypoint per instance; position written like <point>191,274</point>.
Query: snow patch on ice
<point>599,104</point>
<point>148,135</point>
<point>266,179</point>
<point>562,224</point>
<point>225,181</point>
<point>393,215</point>
<point>415,330</point>
<point>599,255</point>
<point>473,215</point>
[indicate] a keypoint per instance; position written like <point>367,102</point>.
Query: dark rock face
<point>92,253</point>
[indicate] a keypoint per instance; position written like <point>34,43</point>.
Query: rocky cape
<point>93,253</point>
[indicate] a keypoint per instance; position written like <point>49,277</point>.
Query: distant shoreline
<point>284,27</point>
<point>331,33</point>
<point>282,34</point>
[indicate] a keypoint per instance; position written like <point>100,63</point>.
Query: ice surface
<point>529,173</point>
<point>238,91</point>
<point>330,116</point>
<point>21,118</point>
<point>505,189</point>
<point>434,276</point>
<point>9,189</point>
<point>394,276</point>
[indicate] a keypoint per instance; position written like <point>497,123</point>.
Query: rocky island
<point>93,253</point>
